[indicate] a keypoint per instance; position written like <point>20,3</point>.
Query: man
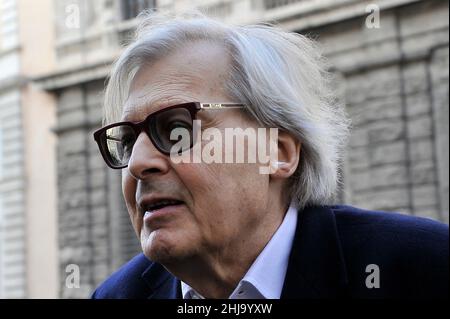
<point>228,229</point>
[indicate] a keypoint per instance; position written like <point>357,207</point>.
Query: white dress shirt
<point>265,278</point>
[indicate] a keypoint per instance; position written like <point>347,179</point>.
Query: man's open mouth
<point>161,204</point>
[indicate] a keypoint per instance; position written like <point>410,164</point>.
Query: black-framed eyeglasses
<point>116,140</point>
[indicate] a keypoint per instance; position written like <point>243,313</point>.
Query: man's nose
<point>145,159</point>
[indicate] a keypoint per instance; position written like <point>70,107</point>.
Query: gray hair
<point>281,76</point>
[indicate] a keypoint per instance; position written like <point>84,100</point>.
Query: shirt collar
<point>265,277</point>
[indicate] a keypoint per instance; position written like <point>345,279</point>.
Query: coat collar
<point>163,284</point>
<point>316,265</point>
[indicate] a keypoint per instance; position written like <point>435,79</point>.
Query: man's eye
<point>178,124</point>
<point>127,142</point>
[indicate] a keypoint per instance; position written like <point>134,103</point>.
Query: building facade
<point>391,59</point>
<point>28,215</point>
<point>12,210</point>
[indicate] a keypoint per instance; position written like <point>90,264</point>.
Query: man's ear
<point>288,156</point>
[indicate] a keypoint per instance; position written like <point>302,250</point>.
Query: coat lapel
<point>316,265</point>
<point>163,284</point>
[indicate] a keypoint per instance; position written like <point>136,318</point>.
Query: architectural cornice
<point>74,76</point>
<point>303,16</point>
<point>15,82</point>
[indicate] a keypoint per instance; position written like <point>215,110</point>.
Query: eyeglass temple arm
<point>213,106</point>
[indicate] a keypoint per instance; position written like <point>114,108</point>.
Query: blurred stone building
<point>28,219</point>
<point>393,75</point>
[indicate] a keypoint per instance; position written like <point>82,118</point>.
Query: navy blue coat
<point>332,247</point>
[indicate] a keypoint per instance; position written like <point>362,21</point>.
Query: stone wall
<point>12,174</point>
<point>94,229</point>
<point>395,80</point>
<point>12,196</point>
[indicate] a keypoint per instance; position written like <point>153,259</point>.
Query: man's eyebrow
<point>128,116</point>
<point>138,111</point>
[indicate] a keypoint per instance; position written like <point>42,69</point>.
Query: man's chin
<point>161,249</point>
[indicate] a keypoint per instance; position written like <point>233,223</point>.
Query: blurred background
<point>63,224</point>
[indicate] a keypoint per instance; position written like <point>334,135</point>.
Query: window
<point>131,8</point>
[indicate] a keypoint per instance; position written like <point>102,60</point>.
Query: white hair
<point>281,76</point>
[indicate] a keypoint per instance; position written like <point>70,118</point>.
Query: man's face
<point>223,206</point>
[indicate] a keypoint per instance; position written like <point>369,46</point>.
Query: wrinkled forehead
<point>195,72</point>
